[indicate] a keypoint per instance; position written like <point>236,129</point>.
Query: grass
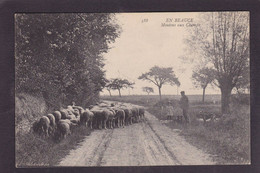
<point>33,150</point>
<point>227,139</point>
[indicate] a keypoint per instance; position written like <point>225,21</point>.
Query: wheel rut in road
<point>147,143</point>
<point>160,141</point>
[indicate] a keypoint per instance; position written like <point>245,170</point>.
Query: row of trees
<point>159,76</point>
<point>60,55</point>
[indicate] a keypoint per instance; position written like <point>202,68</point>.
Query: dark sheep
<point>98,118</point>
<point>141,112</point>
<point>120,117</point>
<point>128,116</point>
<point>135,113</point>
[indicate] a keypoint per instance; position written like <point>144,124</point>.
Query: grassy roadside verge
<point>33,150</point>
<point>228,139</point>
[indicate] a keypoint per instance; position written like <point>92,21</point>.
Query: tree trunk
<point>109,93</point>
<point>203,96</point>
<point>225,99</point>
<point>160,93</point>
<point>119,92</point>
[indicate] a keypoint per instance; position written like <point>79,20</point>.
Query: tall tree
<point>160,76</point>
<point>223,40</point>
<point>148,90</point>
<point>202,77</point>
<point>119,84</point>
<point>60,55</point>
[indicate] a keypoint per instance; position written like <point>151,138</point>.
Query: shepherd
<point>184,103</point>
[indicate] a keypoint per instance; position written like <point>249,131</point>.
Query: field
<point>149,100</point>
<point>228,138</point>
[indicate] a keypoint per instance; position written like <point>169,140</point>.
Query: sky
<point>144,43</point>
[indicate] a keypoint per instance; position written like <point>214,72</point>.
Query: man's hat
<point>182,92</point>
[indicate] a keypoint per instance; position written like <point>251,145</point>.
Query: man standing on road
<point>184,103</point>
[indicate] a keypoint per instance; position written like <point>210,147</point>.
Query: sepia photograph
<point>132,89</point>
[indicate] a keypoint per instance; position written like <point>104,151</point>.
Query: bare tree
<point>160,76</point>
<point>118,84</point>
<point>202,77</point>
<point>148,90</point>
<point>223,40</point>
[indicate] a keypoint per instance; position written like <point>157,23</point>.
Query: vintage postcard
<point>132,89</point>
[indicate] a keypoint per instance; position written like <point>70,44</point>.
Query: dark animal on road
<point>98,117</point>
<point>141,112</point>
<point>128,116</point>
<point>120,117</point>
<point>135,113</point>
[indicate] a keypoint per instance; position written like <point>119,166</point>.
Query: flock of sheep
<point>102,115</point>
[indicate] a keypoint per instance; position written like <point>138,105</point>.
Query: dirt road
<point>141,144</point>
